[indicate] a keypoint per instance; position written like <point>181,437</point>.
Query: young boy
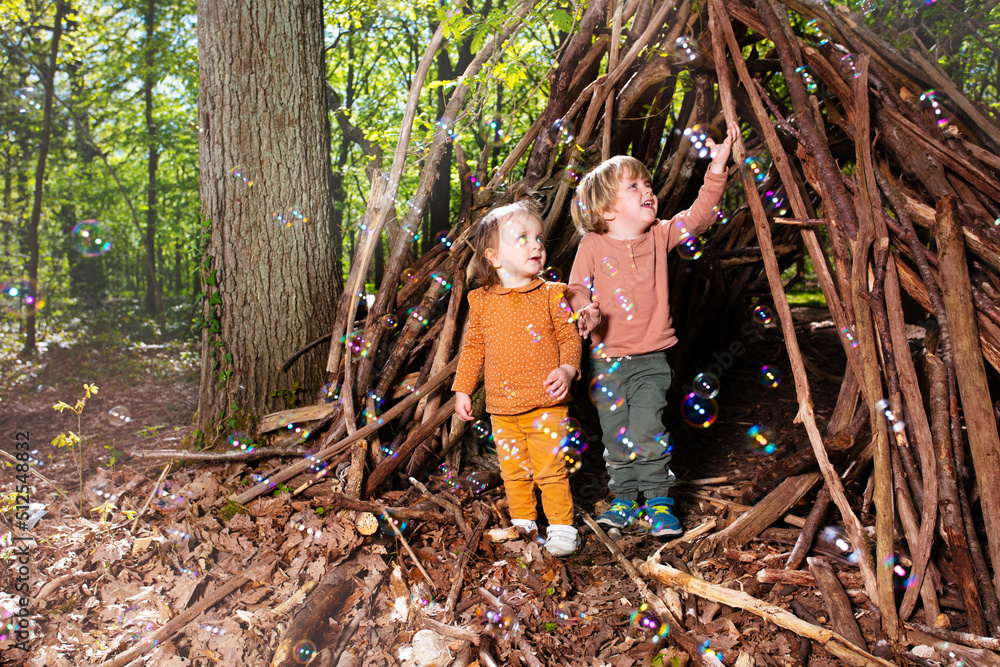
<point>618,288</point>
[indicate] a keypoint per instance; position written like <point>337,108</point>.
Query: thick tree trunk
<point>271,287</point>
<point>154,293</point>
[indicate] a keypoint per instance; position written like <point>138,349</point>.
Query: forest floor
<point>102,587</point>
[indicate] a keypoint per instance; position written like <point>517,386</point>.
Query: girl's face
<point>520,253</point>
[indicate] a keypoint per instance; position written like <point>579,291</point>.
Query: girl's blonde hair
<point>596,193</point>
<point>486,235</point>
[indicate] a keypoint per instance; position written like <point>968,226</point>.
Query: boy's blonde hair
<point>596,193</point>
<point>486,234</point>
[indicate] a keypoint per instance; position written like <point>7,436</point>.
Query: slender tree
<point>270,276</point>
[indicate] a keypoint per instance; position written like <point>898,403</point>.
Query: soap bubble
<point>895,423</point>
<point>216,630</point>
<point>289,216</point>
<point>648,623</point>
<point>390,321</point>
<point>709,654</point>
<point>386,521</point>
<point>569,612</point>
<point>835,539</point>
<point>482,432</point>
<point>762,314</point>
<point>303,652</point>
<point>240,441</point>
<point>848,334</point>
<point>28,99</point>
<point>698,137</point>
<point>512,233</point>
<point>91,238</point>
<point>449,477</point>
<point>775,202</point>
<point>706,384</point>
<point>571,449</point>
<point>816,28</point>
<point>931,102</point>
<point>495,132</point>
<point>502,623</point>
<point>552,274</point>
<point>807,79</point>
<point>242,177</point>
<point>316,466</point>
<point>441,241</point>
<point>328,393</point>
<point>762,440</point>
<point>720,216</point>
<point>699,411</point>
<point>21,296</point>
<point>757,167</point>
<point>625,300</point>
<point>119,415</point>
<point>848,65</point>
<point>560,134</point>
<point>607,392</point>
<point>533,335</point>
<point>769,376</point>
<point>609,266</point>
<point>447,126</point>
<point>690,247</point>
<point>902,572</point>
<point>685,49</point>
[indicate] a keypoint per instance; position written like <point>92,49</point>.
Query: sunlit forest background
<point>120,184</point>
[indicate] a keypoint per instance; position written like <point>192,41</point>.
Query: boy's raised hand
<point>463,406</point>
<point>588,318</point>
<point>720,152</point>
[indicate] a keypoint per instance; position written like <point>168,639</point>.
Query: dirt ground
<point>102,587</point>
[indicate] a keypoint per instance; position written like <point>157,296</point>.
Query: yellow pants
<point>528,447</point>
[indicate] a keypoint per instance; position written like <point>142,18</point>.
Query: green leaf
<point>563,20</point>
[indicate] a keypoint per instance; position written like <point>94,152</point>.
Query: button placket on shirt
<point>630,255</point>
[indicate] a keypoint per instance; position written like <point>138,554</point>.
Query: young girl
<point>521,335</point>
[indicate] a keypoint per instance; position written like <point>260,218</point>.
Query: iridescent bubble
<point>769,376</point>
<point>706,384</point>
<point>691,247</point>
<point>447,125</point>
<point>502,623</point>
<point>647,622</point>
<point>533,335</point>
<point>119,415</point>
<point>835,539</point>
<point>390,321</point>
<point>28,99</point>
<point>848,334</point>
<point>606,392</point>
<point>757,166</point>
<point>512,233</point>
<point>709,653</point>
<point>571,449</point>
<point>216,630</point>
<point>475,482</point>
<point>496,134</point>
<point>698,136</point>
<point>21,296</point>
<point>902,571</point>
<point>386,521</point>
<point>775,202</point>
<point>90,238</point>
<point>328,393</point>
<point>303,652</point>
<point>762,314</point>
<point>866,7</point>
<point>316,466</point>
<point>419,315</point>
<point>625,300</point>
<point>895,423</point>
<point>931,102</point>
<point>289,216</point>
<point>482,432</point>
<point>849,67</point>
<point>441,241</point>
<point>240,441</point>
<point>807,79</point>
<point>685,49</point>
<point>609,266</point>
<point>699,411</point>
<point>560,134</point>
<point>552,274</point>
<point>720,216</point>
<point>762,440</point>
<point>816,28</point>
<point>242,177</point>
<point>569,612</point>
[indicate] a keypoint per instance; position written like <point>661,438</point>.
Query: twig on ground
<point>445,504</point>
<point>413,555</point>
<point>149,499</point>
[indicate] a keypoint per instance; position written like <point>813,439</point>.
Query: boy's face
<point>520,255</point>
<point>634,208</point>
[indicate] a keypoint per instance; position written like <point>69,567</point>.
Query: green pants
<point>631,394</point>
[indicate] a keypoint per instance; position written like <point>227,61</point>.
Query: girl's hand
<point>588,318</point>
<point>558,381</point>
<point>720,152</point>
<point>463,406</point>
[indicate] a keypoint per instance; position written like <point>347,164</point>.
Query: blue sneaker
<point>661,519</point>
<point>620,514</point>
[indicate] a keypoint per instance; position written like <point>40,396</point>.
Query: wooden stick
<point>971,374</point>
<point>257,454</point>
<point>681,636</point>
<point>470,547</point>
<point>327,450</point>
<point>413,556</point>
<point>836,602</point>
<point>975,641</point>
<point>444,504</point>
<point>149,498</point>
<point>816,516</point>
<point>831,641</point>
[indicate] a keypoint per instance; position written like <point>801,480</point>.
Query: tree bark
<point>271,286</point>
<point>154,292</point>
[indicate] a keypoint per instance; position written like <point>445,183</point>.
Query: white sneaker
<point>527,525</point>
<point>562,540</point>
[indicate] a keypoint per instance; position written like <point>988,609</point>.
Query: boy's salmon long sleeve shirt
<point>629,278</point>
<point>519,335</point>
